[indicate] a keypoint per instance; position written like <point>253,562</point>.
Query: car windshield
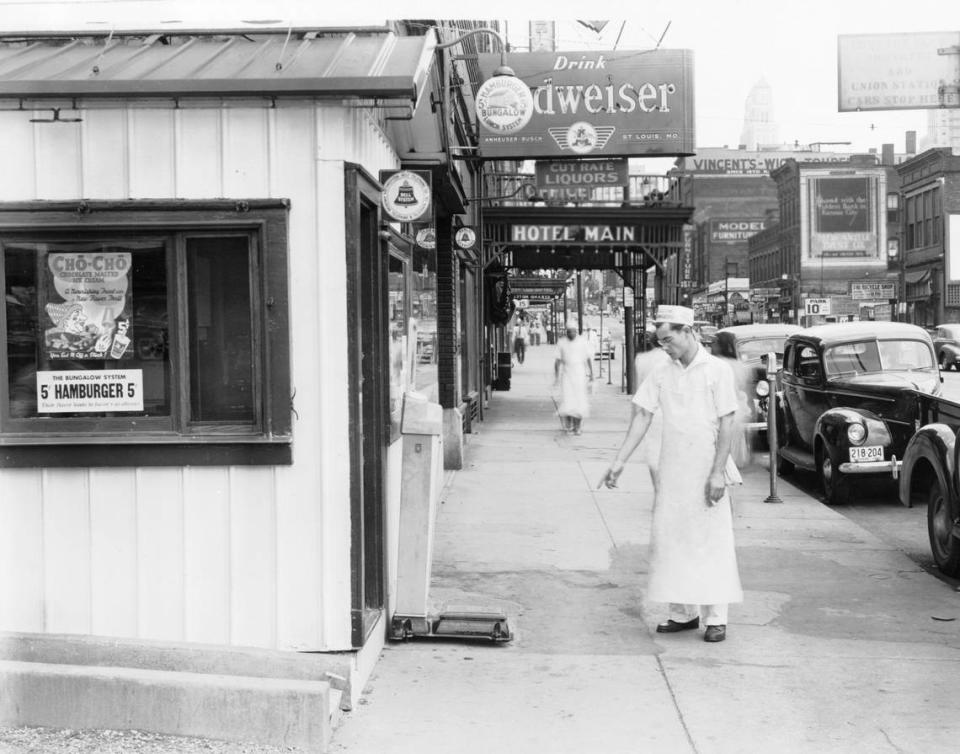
<point>752,350</point>
<point>877,356</point>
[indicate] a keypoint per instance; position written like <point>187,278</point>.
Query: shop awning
<point>375,65</point>
<point>916,276</point>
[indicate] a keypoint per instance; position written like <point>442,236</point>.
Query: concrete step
<point>61,680</point>
<point>270,711</point>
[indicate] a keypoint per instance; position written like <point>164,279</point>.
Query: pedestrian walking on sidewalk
<point>693,562</point>
<point>573,370</point>
<point>520,333</point>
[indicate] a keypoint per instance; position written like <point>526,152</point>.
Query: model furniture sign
<point>735,230</point>
<point>587,104</point>
<point>897,71</point>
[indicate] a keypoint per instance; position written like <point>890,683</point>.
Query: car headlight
<point>763,388</point>
<point>856,433</point>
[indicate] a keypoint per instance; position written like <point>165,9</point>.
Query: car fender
<point>949,348</point>
<point>832,425</point>
<point>932,451</point>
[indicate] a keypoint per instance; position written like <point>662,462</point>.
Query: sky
<point>792,45</point>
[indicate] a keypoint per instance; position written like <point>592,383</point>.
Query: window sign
<point>79,391</point>
<point>87,311</point>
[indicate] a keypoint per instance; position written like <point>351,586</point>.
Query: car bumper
<point>891,467</point>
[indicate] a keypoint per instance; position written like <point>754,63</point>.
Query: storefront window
<point>145,336</point>
<point>399,323</point>
<point>424,306</point>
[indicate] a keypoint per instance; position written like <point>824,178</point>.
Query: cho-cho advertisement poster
<point>88,305</point>
<point>587,104</point>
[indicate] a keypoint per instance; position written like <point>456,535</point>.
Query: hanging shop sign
<point>83,391</point>
<point>574,180</point>
<point>87,306</point>
<point>596,104</point>
<point>406,194</point>
<point>426,238</point>
<point>465,237</point>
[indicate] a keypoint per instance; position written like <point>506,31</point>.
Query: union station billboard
<point>588,104</point>
<point>897,71</point>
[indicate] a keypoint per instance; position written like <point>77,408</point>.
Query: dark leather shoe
<point>671,626</point>
<point>715,633</point>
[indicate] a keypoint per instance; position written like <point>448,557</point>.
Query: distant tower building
<point>759,128</point>
<point>943,129</point>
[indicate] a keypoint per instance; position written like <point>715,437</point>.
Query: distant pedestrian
<point>520,334</point>
<point>573,369</point>
<point>693,562</point>
<point>535,330</point>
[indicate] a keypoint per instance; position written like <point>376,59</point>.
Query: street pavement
<point>842,643</point>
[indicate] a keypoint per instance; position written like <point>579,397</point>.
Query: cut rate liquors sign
<point>596,104</point>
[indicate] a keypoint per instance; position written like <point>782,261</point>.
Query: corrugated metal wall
<point>254,556</point>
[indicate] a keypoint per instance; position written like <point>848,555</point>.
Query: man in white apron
<point>693,563</point>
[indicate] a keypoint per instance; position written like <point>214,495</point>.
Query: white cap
<point>674,315</point>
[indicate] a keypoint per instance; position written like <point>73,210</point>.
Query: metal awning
<point>380,66</point>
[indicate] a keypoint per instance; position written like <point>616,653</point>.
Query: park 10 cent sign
<point>587,104</point>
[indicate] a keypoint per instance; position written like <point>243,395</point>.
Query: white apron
<point>692,555</point>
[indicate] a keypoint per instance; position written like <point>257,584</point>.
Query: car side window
<point>789,351</point>
<point>808,363</point>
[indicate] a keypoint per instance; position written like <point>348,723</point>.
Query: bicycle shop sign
<point>561,234</point>
<point>587,104</point>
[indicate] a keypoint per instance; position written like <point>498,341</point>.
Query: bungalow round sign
<point>504,104</point>
<point>406,196</point>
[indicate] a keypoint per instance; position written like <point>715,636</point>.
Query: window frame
<point>172,439</point>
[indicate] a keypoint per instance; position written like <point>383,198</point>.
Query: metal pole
<point>772,443</point>
<point>580,300</point>
<point>628,327</point>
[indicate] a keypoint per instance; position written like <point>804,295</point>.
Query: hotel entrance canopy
<point>598,238</point>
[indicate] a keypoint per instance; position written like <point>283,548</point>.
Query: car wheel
<point>836,489</point>
<point>943,545</point>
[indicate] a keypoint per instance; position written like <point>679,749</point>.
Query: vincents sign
<point>588,104</point>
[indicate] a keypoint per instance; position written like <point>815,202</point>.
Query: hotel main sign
<point>591,104</point>
<point>565,234</point>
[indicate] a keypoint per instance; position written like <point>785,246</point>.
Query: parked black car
<point>848,399</point>
<point>748,346</point>
<point>946,343</point>
<point>928,477</point>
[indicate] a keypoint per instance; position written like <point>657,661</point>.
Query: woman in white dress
<point>573,369</point>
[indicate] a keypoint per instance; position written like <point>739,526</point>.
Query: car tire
<point>944,547</point>
<point>836,489</point>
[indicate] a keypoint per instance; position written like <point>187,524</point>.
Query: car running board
<point>799,458</point>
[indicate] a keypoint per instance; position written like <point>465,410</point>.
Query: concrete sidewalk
<point>842,644</point>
